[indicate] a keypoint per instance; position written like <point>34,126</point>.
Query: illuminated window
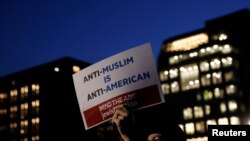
<point>189,128</point>
<point>187,43</point>
<point>35,124</point>
<point>13,127</point>
<point>24,139</point>
<point>228,61</point>
<point>165,88</point>
<point>175,87</point>
<point>24,92</point>
<point>229,76</point>
<point>3,112</point>
<point>173,73</point>
<point>23,126</point>
<point>200,127</point>
<point>181,126</point>
<point>226,49</point>
<point>13,95</point>
<point>35,138</point>
<point>198,97</point>
<point>173,59</point>
<point>76,69</point>
<point>215,63</point>
<point>13,112</point>
<point>35,106</point>
<point>35,89</point>
<point>217,78</point>
<point>3,97</point>
<point>231,89</point>
<point>189,77</point>
<point>223,107</point>
<point>232,105</point>
<point>193,54</point>
<point>223,121</point>
<point>235,120</point>
<point>204,66</point>
<point>211,122</point>
<point>198,112</point>
<point>187,113</point>
<point>218,93</point>
<point>207,109</point>
<point>164,75</point>
<point>207,95</point>
<point>222,37</point>
<point>206,80</point>
<point>24,110</point>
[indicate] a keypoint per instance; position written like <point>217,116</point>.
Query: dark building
<point>40,103</point>
<point>206,74</point>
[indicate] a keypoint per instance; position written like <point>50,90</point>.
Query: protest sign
<point>128,78</point>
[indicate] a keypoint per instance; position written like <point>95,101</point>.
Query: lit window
<point>215,63</point>
<point>207,109</point>
<point>223,107</point>
<point>3,97</point>
<point>13,95</point>
<point>164,75</point>
<point>222,37</point>
<point>165,88</point>
<point>206,80</point>
<point>235,120</point>
<point>24,126</point>
<point>232,105</point>
<point>204,66</point>
<point>189,77</point>
<point>76,69</point>
<point>207,95</point>
<point>173,59</point>
<point>198,97</point>
<point>3,112</point>
<point>211,122</point>
<point>24,110</point>
<point>56,69</point>
<point>200,127</point>
<point>24,92</point>
<point>226,49</point>
<point>189,128</point>
<point>223,121</point>
<point>181,126</point>
<point>35,138</point>
<point>13,112</point>
<point>13,127</point>
<point>217,78</point>
<point>193,54</point>
<point>24,139</point>
<point>35,106</point>
<point>218,93</point>
<point>35,124</point>
<point>175,87</point>
<point>229,76</point>
<point>173,73</point>
<point>231,89</point>
<point>187,113</point>
<point>198,112</point>
<point>228,61</point>
<point>35,89</point>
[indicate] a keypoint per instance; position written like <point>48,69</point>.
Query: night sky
<point>34,32</point>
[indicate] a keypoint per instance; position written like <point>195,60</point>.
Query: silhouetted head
<point>157,119</point>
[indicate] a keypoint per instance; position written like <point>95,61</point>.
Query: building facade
<point>206,74</point>
<point>40,103</point>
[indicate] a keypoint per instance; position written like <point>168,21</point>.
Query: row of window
<point>225,49</point>
<point>33,138</point>
<point>24,125</point>
<point>191,81</point>
<point>201,126</point>
<point>192,69</point>
<point>202,111</point>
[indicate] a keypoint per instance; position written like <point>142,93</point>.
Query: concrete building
<point>40,103</point>
<point>206,74</point>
